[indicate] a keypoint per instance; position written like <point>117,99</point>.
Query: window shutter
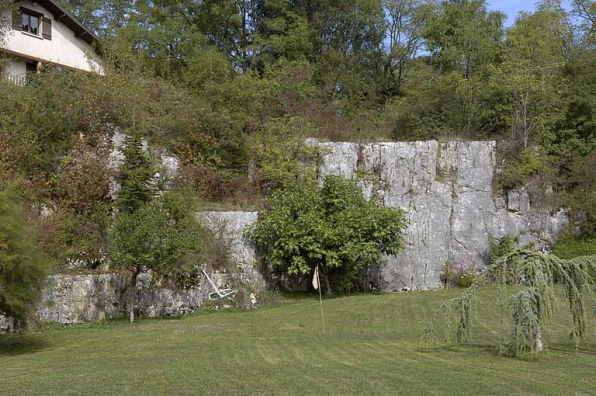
<point>46,28</point>
<point>17,20</point>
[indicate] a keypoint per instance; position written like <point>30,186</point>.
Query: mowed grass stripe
<point>372,347</point>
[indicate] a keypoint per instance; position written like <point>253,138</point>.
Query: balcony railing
<point>18,80</point>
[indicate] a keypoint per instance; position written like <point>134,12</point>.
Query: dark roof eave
<point>60,14</point>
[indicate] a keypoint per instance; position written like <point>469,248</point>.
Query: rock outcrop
<point>94,297</point>
<point>6,324</point>
<point>80,298</point>
<point>452,208</point>
<point>231,226</point>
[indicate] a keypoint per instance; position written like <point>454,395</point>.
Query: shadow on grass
<point>566,348</point>
<point>20,344</point>
<point>461,348</point>
<point>492,350</point>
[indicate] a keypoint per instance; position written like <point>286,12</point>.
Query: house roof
<point>60,14</point>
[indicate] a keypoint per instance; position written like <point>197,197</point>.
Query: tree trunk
<point>131,311</point>
<point>132,292</point>
<point>539,345</point>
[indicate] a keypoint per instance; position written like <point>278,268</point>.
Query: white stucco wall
<point>17,67</point>
<point>63,49</point>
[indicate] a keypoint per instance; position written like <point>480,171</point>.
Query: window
<point>30,21</point>
<point>31,67</point>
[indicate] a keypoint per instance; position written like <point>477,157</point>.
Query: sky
<point>513,7</point>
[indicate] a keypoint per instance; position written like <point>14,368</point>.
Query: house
<point>43,32</point>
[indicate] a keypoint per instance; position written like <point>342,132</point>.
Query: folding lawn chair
<point>220,294</point>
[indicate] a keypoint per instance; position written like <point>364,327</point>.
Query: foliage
<point>502,247</point>
<point>83,180</point>
<point>579,181</point>
<point>332,227</point>
<point>134,176</point>
<point>536,45</point>
<point>531,308</point>
<point>280,154</point>
<point>76,240</point>
<point>6,8</point>
<point>22,264</point>
<point>157,236</point>
<point>518,172</point>
<point>234,87</point>
<point>74,225</point>
<point>569,246</point>
<point>153,230</point>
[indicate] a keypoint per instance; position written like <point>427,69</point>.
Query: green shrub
<point>22,265</point>
<point>518,172</point>
<point>332,227</point>
<point>279,153</point>
<point>569,246</point>
<point>502,247</point>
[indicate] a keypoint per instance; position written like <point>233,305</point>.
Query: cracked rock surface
<point>232,226</point>
<point>95,297</point>
<point>447,191</point>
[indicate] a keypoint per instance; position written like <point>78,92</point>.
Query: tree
<point>6,10</point>
<point>532,307</point>
<point>465,41</point>
<point>536,47</point>
<point>22,265</point>
<point>465,36</point>
<point>134,176</point>
<point>405,29</point>
<point>586,10</point>
<point>332,227</point>
<point>160,236</point>
<point>148,233</point>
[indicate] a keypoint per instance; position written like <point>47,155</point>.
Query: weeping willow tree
<point>531,307</point>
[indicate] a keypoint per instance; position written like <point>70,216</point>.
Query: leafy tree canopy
<point>332,227</point>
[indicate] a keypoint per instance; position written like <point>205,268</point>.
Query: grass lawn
<point>372,347</point>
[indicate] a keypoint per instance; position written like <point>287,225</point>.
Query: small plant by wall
<point>459,274</point>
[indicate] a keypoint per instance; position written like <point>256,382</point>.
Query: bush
<point>332,227</point>
<point>279,154</point>
<point>22,265</point>
<point>220,186</point>
<point>460,274</point>
<point>569,246</point>
<point>77,239</point>
<point>518,172</point>
<point>502,247</point>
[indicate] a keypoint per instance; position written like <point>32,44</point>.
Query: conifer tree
<point>22,266</point>
<point>135,176</point>
<point>532,307</point>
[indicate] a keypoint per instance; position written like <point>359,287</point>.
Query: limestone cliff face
<point>94,297</point>
<point>447,191</point>
<point>231,226</point>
